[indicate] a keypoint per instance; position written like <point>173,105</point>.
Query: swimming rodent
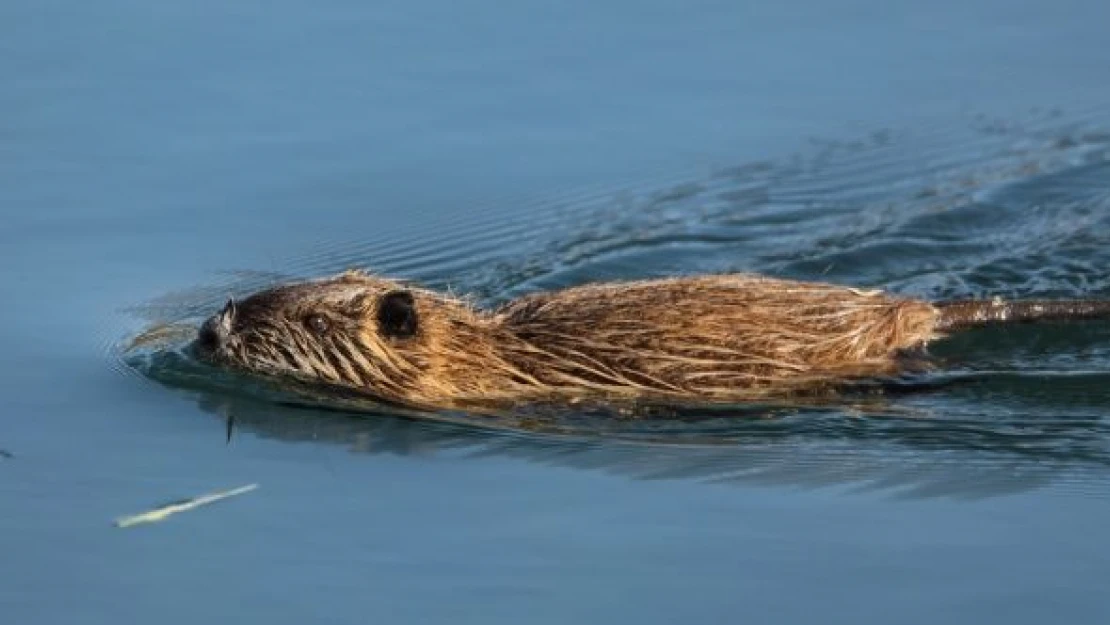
<point>708,339</point>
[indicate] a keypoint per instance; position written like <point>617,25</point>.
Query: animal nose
<point>216,328</point>
<point>209,337</point>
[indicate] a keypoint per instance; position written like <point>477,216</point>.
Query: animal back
<point>719,336</point>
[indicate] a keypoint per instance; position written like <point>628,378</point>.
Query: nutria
<point>708,339</point>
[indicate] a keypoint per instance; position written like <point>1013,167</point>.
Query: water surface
<point>155,159</point>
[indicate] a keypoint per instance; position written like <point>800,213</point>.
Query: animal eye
<point>317,323</point>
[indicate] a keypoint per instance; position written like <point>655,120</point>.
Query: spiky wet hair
<point>340,330</point>
<point>711,338</point>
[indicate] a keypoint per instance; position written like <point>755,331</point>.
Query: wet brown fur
<point>708,339</point>
<point>722,338</point>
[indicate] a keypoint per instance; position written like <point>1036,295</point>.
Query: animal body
<point>706,339</point>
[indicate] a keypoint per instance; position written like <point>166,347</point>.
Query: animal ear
<point>397,314</point>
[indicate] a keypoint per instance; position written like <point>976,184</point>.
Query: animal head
<point>352,329</point>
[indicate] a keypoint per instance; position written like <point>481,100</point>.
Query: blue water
<point>157,157</point>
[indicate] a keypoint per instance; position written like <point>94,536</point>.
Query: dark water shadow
<point>916,439</point>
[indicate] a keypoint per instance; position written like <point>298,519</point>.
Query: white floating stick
<point>163,512</point>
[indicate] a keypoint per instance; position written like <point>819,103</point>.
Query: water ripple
<point>1013,208</point>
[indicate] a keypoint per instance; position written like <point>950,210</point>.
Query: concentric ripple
<point>1010,208</point>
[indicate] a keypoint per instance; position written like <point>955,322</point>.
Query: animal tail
<point>959,315</point>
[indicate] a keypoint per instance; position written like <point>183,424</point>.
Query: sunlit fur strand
<point>716,338</point>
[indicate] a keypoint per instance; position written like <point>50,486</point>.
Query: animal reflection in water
<point>892,450</point>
